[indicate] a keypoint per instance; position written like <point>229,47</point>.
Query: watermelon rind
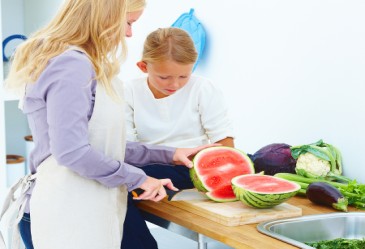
<point>196,182</point>
<point>257,199</point>
<point>198,179</point>
<point>211,196</point>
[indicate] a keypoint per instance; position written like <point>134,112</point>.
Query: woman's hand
<point>154,189</point>
<point>183,156</point>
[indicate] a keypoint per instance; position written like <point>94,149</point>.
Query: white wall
<point>292,71</point>
<point>37,13</point>
<point>12,17</point>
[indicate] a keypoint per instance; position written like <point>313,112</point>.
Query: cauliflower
<point>319,160</point>
<point>309,165</point>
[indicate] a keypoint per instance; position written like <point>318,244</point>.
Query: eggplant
<point>325,194</point>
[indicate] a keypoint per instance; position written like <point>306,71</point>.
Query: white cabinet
<point>17,17</point>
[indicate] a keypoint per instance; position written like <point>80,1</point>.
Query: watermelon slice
<point>263,191</point>
<point>222,194</point>
<point>214,169</point>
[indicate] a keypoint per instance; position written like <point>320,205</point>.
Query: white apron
<point>69,211</point>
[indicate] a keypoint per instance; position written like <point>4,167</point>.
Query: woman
<point>74,112</point>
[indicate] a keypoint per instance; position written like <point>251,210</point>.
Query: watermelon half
<point>263,191</point>
<point>214,169</point>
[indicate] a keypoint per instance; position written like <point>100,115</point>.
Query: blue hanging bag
<point>192,25</point>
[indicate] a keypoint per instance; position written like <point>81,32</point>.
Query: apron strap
<point>17,204</point>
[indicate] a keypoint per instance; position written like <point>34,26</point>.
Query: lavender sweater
<point>58,107</point>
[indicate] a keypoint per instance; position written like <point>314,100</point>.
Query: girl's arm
<point>213,113</point>
<point>228,141</point>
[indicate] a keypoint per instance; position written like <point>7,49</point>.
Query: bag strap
<point>17,203</point>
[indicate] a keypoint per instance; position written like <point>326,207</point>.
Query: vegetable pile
<point>354,192</point>
<point>338,244</point>
<point>319,173</point>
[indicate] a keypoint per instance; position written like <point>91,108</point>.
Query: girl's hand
<point>183,156</point>
<point>154,189</point>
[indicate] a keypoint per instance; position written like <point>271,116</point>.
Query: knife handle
<point>137,192</point>
<point>170,193</point>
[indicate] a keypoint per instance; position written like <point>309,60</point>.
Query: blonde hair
<point>169,44</point>
<point>135,5</point>
<point>96,26</point>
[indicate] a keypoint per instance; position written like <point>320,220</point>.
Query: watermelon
<point>222,194</point>
<point>214,168</point>
<point>263,191</point>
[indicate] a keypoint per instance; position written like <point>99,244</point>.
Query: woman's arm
<point>68,97</point>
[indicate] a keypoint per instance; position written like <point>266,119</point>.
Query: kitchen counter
<point>244,236</point>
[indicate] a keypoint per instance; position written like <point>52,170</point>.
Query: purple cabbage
<point>274,158</point>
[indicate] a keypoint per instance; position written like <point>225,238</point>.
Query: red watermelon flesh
<point>215,167</point>
<point>265,184</point>
<point>223,194</point>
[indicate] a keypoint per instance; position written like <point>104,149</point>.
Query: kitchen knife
<point>185,195</point>
<point>181,195</point>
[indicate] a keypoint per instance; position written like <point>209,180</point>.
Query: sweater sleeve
<point>140,154</point>
<point>214,113</point>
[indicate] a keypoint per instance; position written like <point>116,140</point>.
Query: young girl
<point>170,106</point>
<point>81,166</point>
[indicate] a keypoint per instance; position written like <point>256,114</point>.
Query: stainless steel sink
<point>311,228</point>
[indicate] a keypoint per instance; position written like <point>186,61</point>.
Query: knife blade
<point>185,195</point>
<point>181,195</point>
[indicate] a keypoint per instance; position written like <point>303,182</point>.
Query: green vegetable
<point>338,244</point>
<point>318,160</point>
<point>354,192</point>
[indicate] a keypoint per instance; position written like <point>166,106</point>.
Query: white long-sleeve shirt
<point>195,115</point>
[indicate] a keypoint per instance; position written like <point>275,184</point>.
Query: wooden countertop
<point>245,236</point>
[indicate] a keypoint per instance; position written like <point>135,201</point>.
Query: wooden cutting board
<point>236,213</point>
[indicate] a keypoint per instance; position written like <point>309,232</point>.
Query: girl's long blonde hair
<point>96,26</point>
